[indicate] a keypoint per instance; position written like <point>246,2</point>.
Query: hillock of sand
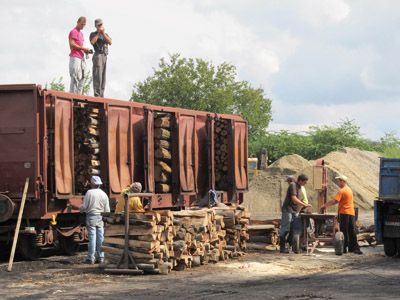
<point>268,190</point>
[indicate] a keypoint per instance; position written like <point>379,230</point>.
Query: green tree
<point>200,85</point>
<point>320,140</point>
<point>58,85</point>
<point>87,83</point>
<point>389,145</point>
<point>332,138</point>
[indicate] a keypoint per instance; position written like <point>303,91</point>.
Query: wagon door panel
<point>240,155</point>
<point>149,150</point>
<point>63,147</point>
<point>119,148</point>
<point>186,153</point>
<point>211,150</point>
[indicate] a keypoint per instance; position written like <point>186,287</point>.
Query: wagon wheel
<point>28,248</point>
<point>339,243</point>
<point>389,246</point>
<point>68,245</point>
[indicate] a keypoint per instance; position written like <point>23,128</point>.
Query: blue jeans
<point>95,229</point>
<point>290,223</point>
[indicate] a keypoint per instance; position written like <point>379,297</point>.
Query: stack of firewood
<point>162,152</point>
<point>236,220</point>
<point>221,132</point>
<point>264,233</point>
<point>161,240</point>
<point>86,146</point>
<point>151,237</point>
<point>199,238</point>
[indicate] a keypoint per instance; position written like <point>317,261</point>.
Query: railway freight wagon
<point>60,139</point>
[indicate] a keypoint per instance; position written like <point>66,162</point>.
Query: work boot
<point>99,261</point>
<point>357,251</point>
<point>282,247</point>
<point>89,261</point>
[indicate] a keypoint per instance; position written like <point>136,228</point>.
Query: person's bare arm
<point>107,39</point>
<point>297,201</point>
<point>74,45</point>
<point>95,38</point>
<point>329,203</point>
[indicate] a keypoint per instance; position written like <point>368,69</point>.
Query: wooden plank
<point>133,243</point>
<point>117,251</point>
<point>16,233</point>
<point>119,230</point>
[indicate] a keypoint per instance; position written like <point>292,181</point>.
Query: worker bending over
<point>290,208</point>
<point>134,203</point>
<point>345,199</point>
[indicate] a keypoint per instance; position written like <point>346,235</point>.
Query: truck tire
<point>339,243</point>
<point>296,243</point>
<point>389,246</point>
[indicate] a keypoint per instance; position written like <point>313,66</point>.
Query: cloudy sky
<point>320,61</point>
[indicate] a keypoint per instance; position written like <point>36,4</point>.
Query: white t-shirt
<point>95,202</point>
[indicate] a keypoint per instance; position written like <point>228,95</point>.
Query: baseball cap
<point>96,180</point>
<point>98,22</point>
<point>290,178</point>
<point>341,177</point>
<point>136,187</point>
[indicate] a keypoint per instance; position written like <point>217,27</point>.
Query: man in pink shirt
<point>77,64</point>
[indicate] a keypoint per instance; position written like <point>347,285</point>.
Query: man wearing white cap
<point>95,203</point>
<point>344,198</point>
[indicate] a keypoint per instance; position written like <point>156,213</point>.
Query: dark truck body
<point>37,141</point>
<point>387,207</point>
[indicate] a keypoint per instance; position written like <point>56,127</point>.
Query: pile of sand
<point>268,190</point>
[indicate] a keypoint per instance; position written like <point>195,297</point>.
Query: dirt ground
<point>258,275</point>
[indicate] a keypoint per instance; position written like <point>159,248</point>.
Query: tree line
<point>198,84</point>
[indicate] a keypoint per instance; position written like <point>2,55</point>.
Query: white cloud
<point>332,57</point>
<point>319,12</point>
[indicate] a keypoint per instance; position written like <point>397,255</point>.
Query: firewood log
<point>164,166</point>
<point>93,131</point>
<point>162,133</point>
<point>93,171</point>
<point>162,144</point>
<point>162,153</point>
<point>163,188</point>
<point>161,177</point>
<point>95,163</point>
<point>164,122</point>
<point>119,230</point>
<point>133,243</point>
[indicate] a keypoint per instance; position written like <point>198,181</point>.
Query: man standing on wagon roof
<point>77,64</point>
<point>100,41</point>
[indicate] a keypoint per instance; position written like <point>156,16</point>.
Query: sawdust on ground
<point>267,191</point>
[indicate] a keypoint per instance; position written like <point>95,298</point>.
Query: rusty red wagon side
<point>38,140</point>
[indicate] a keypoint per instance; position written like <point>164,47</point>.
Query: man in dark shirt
<point>290,208</point>
<point>100,41</point>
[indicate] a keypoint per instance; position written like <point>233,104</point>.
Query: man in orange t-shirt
<point>344,198</point>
